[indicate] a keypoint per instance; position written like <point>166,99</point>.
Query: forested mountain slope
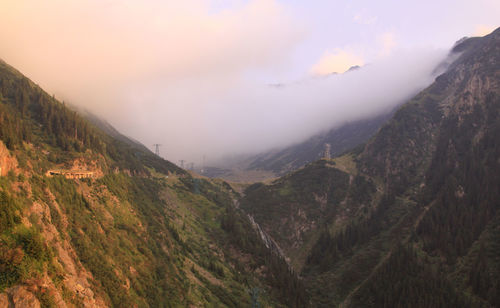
<point>410,219</point>
<point>92,219</point>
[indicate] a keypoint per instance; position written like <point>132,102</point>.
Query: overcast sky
<point>194,75</point>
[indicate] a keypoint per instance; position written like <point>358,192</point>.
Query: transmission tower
<point>157,148</point>
<point>327,151</point>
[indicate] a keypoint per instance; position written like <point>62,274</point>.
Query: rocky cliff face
<point>402,151</point>
<point>7,162</point>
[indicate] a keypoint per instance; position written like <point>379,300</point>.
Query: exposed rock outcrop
<point>18,297</point>
<point>7,162</point>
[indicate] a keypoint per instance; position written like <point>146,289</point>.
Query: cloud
<point>364,18</point>
<point>251,118</point>
<point>179,73</point>
<point>82,47</point>
<point>341,59</point>
<point>337,61</point>
<point>387,41</point>
<point>273,117</point>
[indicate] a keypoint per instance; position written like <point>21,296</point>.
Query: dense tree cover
<point>286,283</point>
<point>13,129</point>
<point>331,248</point>
<point>459,206</point>
<point>464,186</point>
<point>482,275</point>
<point>405,142</point>
<point>28,114</point>
<point>23,252</point>
<point>60,126</point>
<point>432,241</point>
<point>464,180</point>
<point>300,190</point>
<point>408,280</point>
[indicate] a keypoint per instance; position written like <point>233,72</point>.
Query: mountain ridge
<point>421,195</point>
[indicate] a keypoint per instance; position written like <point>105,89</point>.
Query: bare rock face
<point>4,300</point>
<point>22,298</point>
<point>18,297</point>
<point>76,276</point>
<point>7,162</point>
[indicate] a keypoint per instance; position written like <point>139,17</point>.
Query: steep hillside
<point>90,218</point>
<point>411,219</point>
<point>324,192</point>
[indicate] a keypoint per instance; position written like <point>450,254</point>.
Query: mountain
<point>107,128</point>
<point>91,218</point>
<point>410,219</point>
<point>340,139</point>
<point>275,163</point>
<point>280,161</point>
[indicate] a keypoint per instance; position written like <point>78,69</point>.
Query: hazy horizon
<point>195,75</point>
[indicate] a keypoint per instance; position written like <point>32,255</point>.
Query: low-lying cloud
<point>183,74</point>
<point>248,118</point>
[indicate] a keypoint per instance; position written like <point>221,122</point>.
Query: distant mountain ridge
<point>276,163</point>
<point>341,139</point>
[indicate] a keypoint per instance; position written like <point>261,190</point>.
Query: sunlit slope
<point>91,220</point>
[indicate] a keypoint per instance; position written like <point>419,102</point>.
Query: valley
<point>404,214</point>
